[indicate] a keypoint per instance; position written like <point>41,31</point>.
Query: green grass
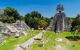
<point>48,45</point>
<point>75,45</point>
<point>12,42</point>
<point>66,34</point>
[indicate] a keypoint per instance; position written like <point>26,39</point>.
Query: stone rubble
<point>29,42</point>
<point>14,29</point>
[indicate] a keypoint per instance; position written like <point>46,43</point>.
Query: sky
<point>46,7</point>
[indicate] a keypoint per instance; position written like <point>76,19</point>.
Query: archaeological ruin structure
<point>59,23</point>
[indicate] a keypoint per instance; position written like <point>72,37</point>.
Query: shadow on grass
<point>73,38</point>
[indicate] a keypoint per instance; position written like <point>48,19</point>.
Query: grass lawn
<point>50,45</point>
<point>73,45</point>
<point>12,42</point>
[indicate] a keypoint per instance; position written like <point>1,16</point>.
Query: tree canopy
<point>76,21</point>
<point>36,20</point>
<point>10,15</point>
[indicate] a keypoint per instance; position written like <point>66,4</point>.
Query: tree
<point>35,14</point>
<point>32,19</point>
<point>10,19</point>
<point>21,18</point>
<point>43,24</point>
<point>1,17</point>
<point>77,29</point>
<point>70,20</point>
<point>48,20</point>
<point>28,19</point>
<point>36,20</point>
<point>11,13</point>
<point>76,32</point>
<point>78,17</point>
<point>76,22</point>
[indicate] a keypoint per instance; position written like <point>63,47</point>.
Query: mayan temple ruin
<point>59,23</point>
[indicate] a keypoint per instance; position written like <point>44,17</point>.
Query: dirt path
<point>29,42</point>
